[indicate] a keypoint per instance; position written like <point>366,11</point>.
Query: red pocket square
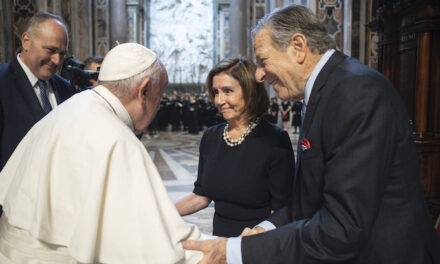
<point>305,144</point>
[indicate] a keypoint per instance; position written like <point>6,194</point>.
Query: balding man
<point>29,85</point>
<point>81,187</point>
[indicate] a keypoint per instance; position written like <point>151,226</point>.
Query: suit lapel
<point>319,84</point>
<point>26,90</point>
<point>310,112</point>
<point>315,97</point>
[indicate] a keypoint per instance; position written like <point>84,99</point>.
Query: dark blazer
<point>357,194</point>
<point>19,105</point>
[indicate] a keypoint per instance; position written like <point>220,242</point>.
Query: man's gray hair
<point>124,88</point>
<point>285,22</point>
<point>39,18</point>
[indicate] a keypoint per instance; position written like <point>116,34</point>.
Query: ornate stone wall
<point>222,37</point>
<point>331,14</point>
<point>81,29</point>
<point>181,33</point>
<point>101,27</point>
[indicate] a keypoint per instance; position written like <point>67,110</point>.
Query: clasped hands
<point>214,250</point>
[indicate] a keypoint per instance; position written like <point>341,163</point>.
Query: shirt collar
<point>315,72</point>
<point>115,104</point>
<point>31,77</point>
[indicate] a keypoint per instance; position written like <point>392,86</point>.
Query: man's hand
<point>214,250</point>
<point>249,232</point>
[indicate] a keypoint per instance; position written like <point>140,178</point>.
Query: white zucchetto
<point>124,61</point>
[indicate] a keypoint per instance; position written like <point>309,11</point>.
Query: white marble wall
<point>181,34</point>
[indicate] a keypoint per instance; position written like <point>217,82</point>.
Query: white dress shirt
<point>33,80</point>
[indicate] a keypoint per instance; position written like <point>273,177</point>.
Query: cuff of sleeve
<point>266,225</point>
<point>204,236</point>
<point>233,251</point>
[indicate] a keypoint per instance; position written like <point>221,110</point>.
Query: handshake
<point>214,250</point>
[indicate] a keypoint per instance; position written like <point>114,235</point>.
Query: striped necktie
<point>300,138</point>
<point>303,112</point>
<point>43,94</point>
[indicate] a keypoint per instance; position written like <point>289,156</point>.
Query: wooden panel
<point>434,96</point>
<point>429,160</point>
<point>406,85</point>
<point>412,29</point>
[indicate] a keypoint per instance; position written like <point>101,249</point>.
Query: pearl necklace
<point>235,142</point>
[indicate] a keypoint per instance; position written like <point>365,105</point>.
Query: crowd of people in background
<point>195,112</point>
<point>285,113</point>
<point>191,113</point>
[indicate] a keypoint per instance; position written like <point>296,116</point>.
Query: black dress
<point>286,116</point>
<point>296,118</point>
<point>193,119</point>
<point>274,108</point>
<point>246,182</point>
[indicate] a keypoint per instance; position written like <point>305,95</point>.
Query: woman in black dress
<point>246,165</point>
<point>273,110</point>
<point>285,114</point>
<point>296,115</point>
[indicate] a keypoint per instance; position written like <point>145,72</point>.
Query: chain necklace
<point>235,142</point>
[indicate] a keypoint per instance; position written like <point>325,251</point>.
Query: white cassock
<point>81,182</point>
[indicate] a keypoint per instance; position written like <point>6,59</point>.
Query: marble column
<point>238,27</point>
<point>118,22</point>
<point>81,29</point>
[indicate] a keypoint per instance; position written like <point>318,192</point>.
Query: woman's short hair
<point>243,70</point>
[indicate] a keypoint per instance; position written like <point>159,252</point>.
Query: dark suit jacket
<point>357,194</point>
<point>19,105</point>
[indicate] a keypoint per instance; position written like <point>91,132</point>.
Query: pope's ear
<point>143,89</point>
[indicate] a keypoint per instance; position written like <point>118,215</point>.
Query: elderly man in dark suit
<point>29,85</point>
<point>357,190</point>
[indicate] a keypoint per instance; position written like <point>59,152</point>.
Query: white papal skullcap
<point>124,61</point>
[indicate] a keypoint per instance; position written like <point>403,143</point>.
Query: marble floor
<point>176,156</point>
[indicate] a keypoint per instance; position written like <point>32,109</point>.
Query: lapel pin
<point>305,144</point>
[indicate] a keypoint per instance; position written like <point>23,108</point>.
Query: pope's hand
<point>214,250</point>
<point>249,232</point>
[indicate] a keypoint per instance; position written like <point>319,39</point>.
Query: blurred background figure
<point>185,112</point>
<point>285,114</point>
<point>273,111</point>
<point>296,115</point>
<point>193,116</point>
<point>175,112</point>
<point>163,114</point>
<point>93,64</point>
